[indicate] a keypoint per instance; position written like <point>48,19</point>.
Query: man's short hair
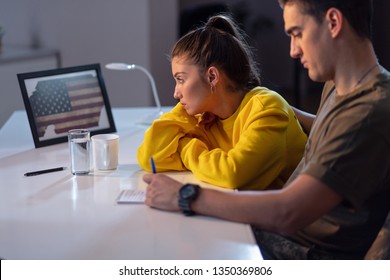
<point>357,12</point>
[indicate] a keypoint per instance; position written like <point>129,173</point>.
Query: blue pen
<point>153,165</point>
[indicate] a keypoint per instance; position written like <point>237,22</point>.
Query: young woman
<point>227,129</point>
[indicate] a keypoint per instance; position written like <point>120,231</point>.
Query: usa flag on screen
<point>67,103</point>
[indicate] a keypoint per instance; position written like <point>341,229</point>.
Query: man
<point>338,197</point>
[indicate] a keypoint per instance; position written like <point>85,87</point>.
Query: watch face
<point>188,191</point>
<point>187,194</point>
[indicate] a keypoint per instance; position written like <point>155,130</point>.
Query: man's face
<point>309,41</point>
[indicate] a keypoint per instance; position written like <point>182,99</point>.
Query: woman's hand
<point>208,119</point>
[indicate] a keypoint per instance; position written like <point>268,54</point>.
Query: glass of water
<point>80,151</point>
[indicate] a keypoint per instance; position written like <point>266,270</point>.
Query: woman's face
<point>192,90</point>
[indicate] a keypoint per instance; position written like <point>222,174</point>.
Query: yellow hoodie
<point>258,147</point>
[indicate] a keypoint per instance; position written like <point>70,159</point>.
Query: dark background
<point>263,23</point>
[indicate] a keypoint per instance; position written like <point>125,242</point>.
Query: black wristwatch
<point>187,194</point>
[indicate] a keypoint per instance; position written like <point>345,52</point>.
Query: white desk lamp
<point>123,67</point>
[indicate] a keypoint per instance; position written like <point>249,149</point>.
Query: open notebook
<point>131,196</point>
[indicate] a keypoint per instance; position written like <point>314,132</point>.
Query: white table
<point>61,216</point>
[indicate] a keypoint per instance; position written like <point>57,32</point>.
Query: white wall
<point>101,31</point>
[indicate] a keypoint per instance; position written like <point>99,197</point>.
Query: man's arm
<point>284,211</point>
<point>305,119</point>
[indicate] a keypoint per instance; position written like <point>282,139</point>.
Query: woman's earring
<point>212,89</point>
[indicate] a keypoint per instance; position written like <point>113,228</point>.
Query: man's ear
<point>335,21</point>
<point>213,75</point>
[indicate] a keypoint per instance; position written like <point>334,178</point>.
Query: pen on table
<point>39,172</point>
<point>153,165</point>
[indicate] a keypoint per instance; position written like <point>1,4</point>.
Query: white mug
<point>105,151</point>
